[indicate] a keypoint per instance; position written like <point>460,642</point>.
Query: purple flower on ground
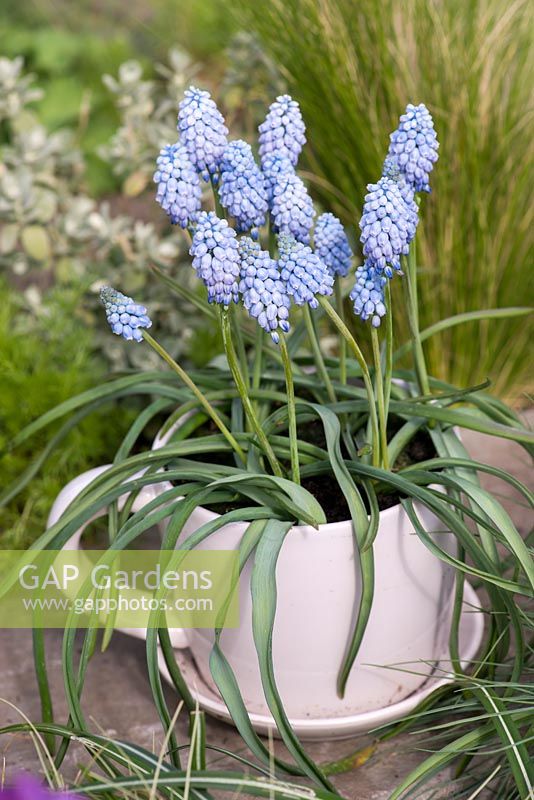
<point>125,316</point>
<point>27,787</point>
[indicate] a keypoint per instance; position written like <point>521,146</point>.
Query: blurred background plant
<point>353,67</point>
<point>61,239</point>
<point>43,362</point>
<point>55,234</point>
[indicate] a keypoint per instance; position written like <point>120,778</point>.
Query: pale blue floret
<point>331,244</point>
<point>215,252</point>
<point>202,131</point>
<point>368,294</point>
<point>178,187</point>
<point>264,294</point>
<point>292,208</point>
<point>387,224</point>
<point>303,272</point>
<point>274,165</point>
<point>391,169</point>
<point>242,189</point>
<point>415,146</point>
<point>283,131</point>
<point>125,316</point>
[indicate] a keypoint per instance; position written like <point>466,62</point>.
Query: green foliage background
<point>40,366</point>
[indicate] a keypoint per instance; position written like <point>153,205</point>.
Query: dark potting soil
<point>324,487</point>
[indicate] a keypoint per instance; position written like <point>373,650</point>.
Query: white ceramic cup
<point>319,587</point>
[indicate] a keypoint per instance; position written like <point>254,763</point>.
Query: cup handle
<point>69,492</point>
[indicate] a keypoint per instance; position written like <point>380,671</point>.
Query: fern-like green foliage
<point>42,363</point>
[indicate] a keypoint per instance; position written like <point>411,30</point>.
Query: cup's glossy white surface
<point>471,631</point>
<point>319,587</point>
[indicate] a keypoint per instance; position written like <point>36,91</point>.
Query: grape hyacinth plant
<point>215,252</point>
<point>126,317</point>
<point>332,245</point>
<point>388,226</point>
<point>368,294</point>
<point>242,190</point>
<point>414,145</point>
<point>313,413</point>
<point>292,210</point>
<point>202,131</point>
<point>264,293</point>
<point>282,134</point>
<point>179,192</point>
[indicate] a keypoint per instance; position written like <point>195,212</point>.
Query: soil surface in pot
<point>325,488</point>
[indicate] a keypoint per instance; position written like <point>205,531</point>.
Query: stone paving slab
<point>117,698</point>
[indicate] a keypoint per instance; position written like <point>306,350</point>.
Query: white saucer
<point>470,638</point>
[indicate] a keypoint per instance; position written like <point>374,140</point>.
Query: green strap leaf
<point>364,533</point>
<point>264,593</point>
<point>304,504</point>
<point>460,319</point>
<point>224,677</point>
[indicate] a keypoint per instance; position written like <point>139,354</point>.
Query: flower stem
<point>219,210</point>
<point>206,405</point>
<point>413,319</point>
<point>317,355</point>
<point>242,388</point>
<point>388,373</point>
<point>351,341</point>
<point>342,342</point>
<point>382,419</point>
<point>258,358</point>
<point>291,412</point>
<point>240,344</point>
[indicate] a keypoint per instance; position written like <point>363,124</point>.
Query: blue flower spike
<point>283,131</point>
<point>178,187</point>
<point>126,317</point>
<point>274,165</point>
<point>242,189</point>
<point>414,145</point>
<point>391,169</point>
<point>303,272</point>
<point>292,208</point>
<point>216,259</point>
<point>388,226</point>
<point>264,294</point>
<point>202,131</point>
<point>368,294</point>
<point>331,245</point>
